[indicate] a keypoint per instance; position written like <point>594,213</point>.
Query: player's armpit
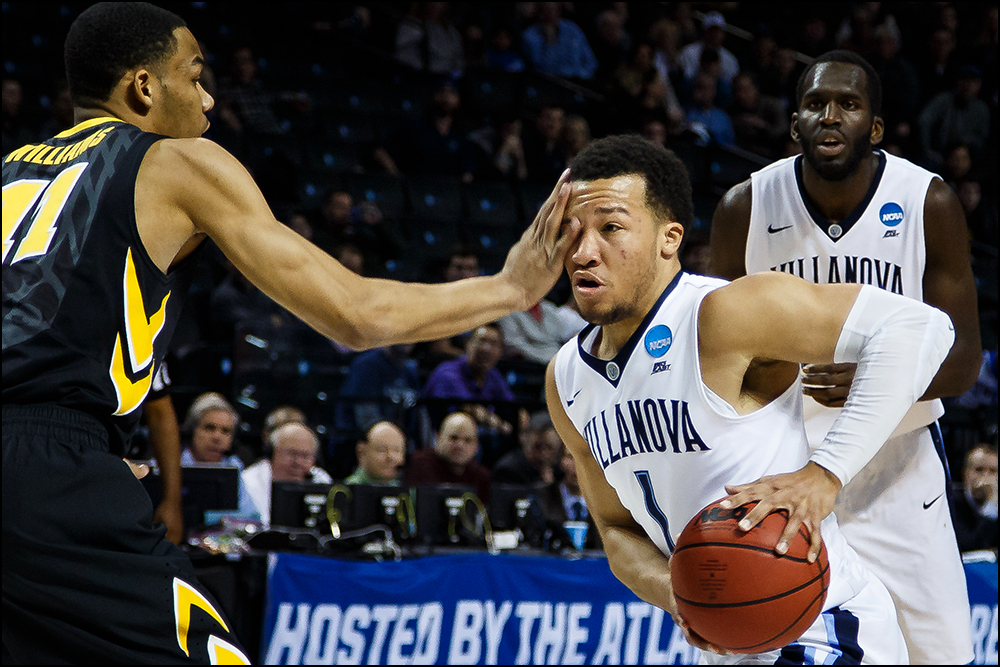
<point>949,285</point>
<point>730,227</point>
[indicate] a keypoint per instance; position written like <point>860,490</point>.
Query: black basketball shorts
<point>86,576</point>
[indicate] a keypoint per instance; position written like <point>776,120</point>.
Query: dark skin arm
<point>948,284</point>
<point>165,437</point>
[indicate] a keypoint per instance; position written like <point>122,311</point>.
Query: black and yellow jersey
<point>87,315</point>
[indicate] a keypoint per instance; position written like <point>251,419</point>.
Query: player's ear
<point>670,235</point>
<point>878,130</point>
<point>794,130</point>
<point>140,91</point>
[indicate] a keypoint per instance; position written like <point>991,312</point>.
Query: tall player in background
<point>844,212</point>
<point>662,407</point>
<point>100,224</point>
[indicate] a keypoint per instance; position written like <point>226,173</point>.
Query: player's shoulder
<point>910,169</point>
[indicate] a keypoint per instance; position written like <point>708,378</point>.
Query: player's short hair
<point>873,84</point>
<point>668,187</point>
<point>111,38</point>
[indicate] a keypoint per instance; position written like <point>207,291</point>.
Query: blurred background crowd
<point>416,140</point>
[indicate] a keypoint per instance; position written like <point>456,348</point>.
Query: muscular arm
<point>730,226</point>
<point>632,556</point>
<point>188,187</point>
<point>949,285</point>
<point>165,437</point>
<point>897,342</point>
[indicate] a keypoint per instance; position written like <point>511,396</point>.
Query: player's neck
<point>613,337</point>
<point>837,199</point>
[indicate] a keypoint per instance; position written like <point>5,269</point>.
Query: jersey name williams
<point>642,426</point>
<point>847,269</point>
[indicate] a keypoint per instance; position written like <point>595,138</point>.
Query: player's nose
<point>587,250</point>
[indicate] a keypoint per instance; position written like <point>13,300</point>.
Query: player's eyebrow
<point>611,209</point>
<point>197,61</point>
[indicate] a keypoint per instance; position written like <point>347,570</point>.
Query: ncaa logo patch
<point>891,214</point>
<point>658,340</point>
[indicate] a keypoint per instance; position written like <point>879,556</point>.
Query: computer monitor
<point>300,505</point>
<point>439,515</point>
<point>516,507</point>
<point>380,504</point>
<point>203,488</point>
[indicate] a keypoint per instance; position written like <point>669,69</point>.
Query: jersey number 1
<point>20,198</point>
<point>646,484</point>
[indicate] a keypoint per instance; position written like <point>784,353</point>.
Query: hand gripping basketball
<point>735,592</point>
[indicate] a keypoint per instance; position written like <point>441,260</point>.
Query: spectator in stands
<point>453,458</point>
<point>696,253</point>
<point>427,40</point>
<point>299,223</point>
<point>665,35</point>
<point>814,37</point>
<point>759,121</point>
<point>463,262</point>
<point>437,145</point>
<point>646,91</point>
<point>381,385</point>
<point>351,256</point>
<point>706,119</point>
<point>210,426</point>
<point>293,451</point>
<point>60,111</point>
<point>16,132</point>
<point>557,46</point>
<point>780,77</point>
<point>381,455</point>
<point>499,148</point>
<point>612,44</point>
<point>900,84</point>
<point>244,104</point>
<point>576,136</point>
<point>535,461</point>
<point>974,510</point>
<point>956,116</point>
<point>957,164</point>
<point>537,334</point>
<point>654,129</point>
<point>343,222</point>
<point>712,36</point>
<point>937,74</point>
<point>281,415</point>
<point>473,376</point>
<point>501,54</point>
<point>563,501</point>
<point>543,149</point>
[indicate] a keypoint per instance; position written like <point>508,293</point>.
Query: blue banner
<point>462,610</point>
<point>482,609</point>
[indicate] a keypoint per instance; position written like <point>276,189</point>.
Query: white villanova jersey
<point>880,243</point>
<point>668,445</point>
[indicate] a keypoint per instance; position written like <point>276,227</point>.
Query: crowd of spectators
<point>415,141</point>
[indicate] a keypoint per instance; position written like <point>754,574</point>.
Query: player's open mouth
<point>830,147</point>
<point>586,283</point>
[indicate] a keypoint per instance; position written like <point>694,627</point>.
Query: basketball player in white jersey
<point>662,407</point>
<point>845,213</point>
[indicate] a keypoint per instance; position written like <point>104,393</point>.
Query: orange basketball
<point>735,591</point>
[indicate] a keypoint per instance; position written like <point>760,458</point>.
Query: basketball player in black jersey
<point>99,227</point>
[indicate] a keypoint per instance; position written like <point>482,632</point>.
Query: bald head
<point>295,447</point>
<point>382,452</point>
<point>458,440</point>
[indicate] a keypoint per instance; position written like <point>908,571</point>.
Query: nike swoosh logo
<point>570,401</point>
<point>928,505</point>
<point>775,230</point>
